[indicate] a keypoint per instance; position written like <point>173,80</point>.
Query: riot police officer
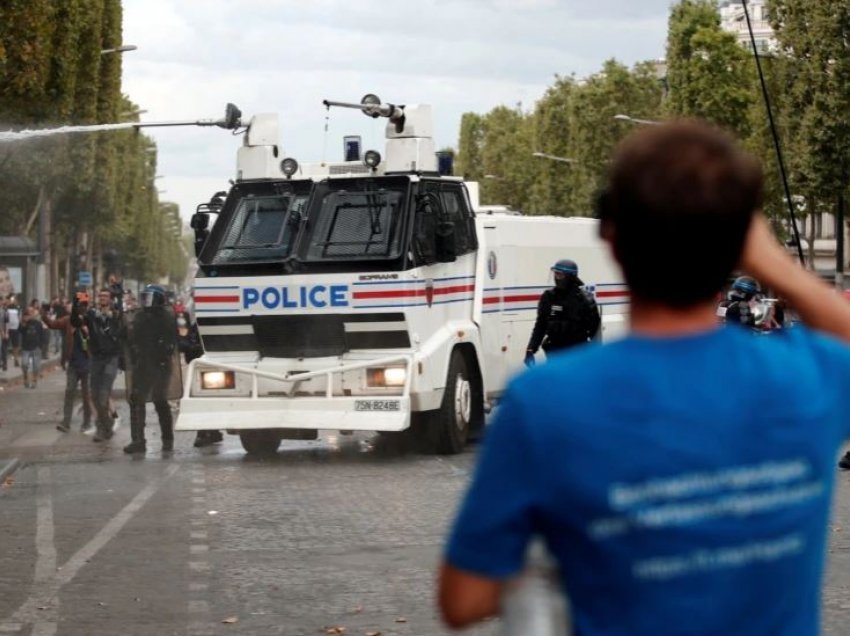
<point>152,344</point>
<point>737,307</point>
<point>567,314</point>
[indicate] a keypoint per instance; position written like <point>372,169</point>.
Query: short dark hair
<point>677,208</point>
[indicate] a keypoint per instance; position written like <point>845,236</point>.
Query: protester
<point>714,519</point>
<point>13,323</point>
<point>76,344</point>
<point>31,332</point>
<point>105,327</point>
<point>4,335</point>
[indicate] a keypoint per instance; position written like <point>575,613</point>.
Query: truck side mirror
<point>446,242</point>
<point>199,221</point>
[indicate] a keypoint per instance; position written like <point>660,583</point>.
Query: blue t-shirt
<point>683,484</point>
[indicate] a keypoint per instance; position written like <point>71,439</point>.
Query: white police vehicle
<point>371,296</point>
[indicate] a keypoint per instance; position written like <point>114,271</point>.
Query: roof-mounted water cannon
<point>409,133</point>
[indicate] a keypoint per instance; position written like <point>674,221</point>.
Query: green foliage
<point>574,121</point>
<point>813,41</point>
<point>99,187</point>
<point>709,74</point>
<point>469,147</point>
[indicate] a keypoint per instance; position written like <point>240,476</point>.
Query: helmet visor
<point>148,298</point>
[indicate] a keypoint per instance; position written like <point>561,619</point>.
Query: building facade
<point>732,19</point>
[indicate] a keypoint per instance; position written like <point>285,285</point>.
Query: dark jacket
<point>565,317</point>
<point>152,338</point>
<point>104,332</point>
<point>31,332</point>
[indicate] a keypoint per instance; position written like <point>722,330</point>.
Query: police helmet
<point>747,286</point>
<point>566,266</point>
<point>153,296</point>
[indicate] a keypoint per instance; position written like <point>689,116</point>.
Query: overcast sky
<point>286,56</point>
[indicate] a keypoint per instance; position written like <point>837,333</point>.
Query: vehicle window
<point>357,225</point>
<point>454,210</point>
<point>259,229</point>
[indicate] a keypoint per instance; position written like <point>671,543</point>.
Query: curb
<point>8,467</point>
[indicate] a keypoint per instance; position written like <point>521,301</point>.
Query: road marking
<point>29,612</point>
<point>45,564</point>
<point>45,547</point>
<point>10,628</point>
<point>198,607</point>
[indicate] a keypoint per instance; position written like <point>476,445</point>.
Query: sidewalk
<point>12,380</point>
<point>14,376</point>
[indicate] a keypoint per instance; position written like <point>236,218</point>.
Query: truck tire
<point>457,412</point>
<point>260,442</point>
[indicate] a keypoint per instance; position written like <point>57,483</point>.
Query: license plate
<point>377,405</point>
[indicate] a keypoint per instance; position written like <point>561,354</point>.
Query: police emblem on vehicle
<point>429,291</point>
<point>377,405</point>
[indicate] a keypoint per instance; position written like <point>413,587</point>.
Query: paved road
<point>341,532</point>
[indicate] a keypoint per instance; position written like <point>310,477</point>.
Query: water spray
<point>232,121</point>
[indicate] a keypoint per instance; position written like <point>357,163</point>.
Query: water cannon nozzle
<point>232,118</point>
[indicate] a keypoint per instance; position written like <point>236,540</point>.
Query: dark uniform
<point>567,314</point>
<point>744,306</point>
<point>152,343</point>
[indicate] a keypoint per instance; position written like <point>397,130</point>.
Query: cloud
<point>283,56</point>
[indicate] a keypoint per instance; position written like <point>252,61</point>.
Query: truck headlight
<point>218,380</point>
<point>383,377</point>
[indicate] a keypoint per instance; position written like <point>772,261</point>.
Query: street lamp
<point>634,120</point>
<point>120,49</point>
<point>545,155</point>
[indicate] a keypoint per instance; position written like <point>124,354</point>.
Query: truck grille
<point>305,336</point>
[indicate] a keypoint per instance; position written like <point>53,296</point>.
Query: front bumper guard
<point>335,412</point>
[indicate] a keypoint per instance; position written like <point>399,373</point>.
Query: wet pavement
<point>344,532</point>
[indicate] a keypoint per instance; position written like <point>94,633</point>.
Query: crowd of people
<point>98,338</point>
<point>24,340</point>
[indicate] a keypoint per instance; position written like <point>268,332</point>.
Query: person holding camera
<point>104,324</point>
<point>75,353</point>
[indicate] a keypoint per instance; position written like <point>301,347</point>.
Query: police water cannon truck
<point>371,297</point>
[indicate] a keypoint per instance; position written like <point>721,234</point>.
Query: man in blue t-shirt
<point>680,477</point>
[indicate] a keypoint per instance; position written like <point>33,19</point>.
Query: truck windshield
<point>259,229</point>
<point>356,219</point>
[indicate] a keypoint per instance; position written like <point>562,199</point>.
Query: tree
<point>469,147</point>
<point>813,41</point>
<point>96,191</point>
<point>710,75</point>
